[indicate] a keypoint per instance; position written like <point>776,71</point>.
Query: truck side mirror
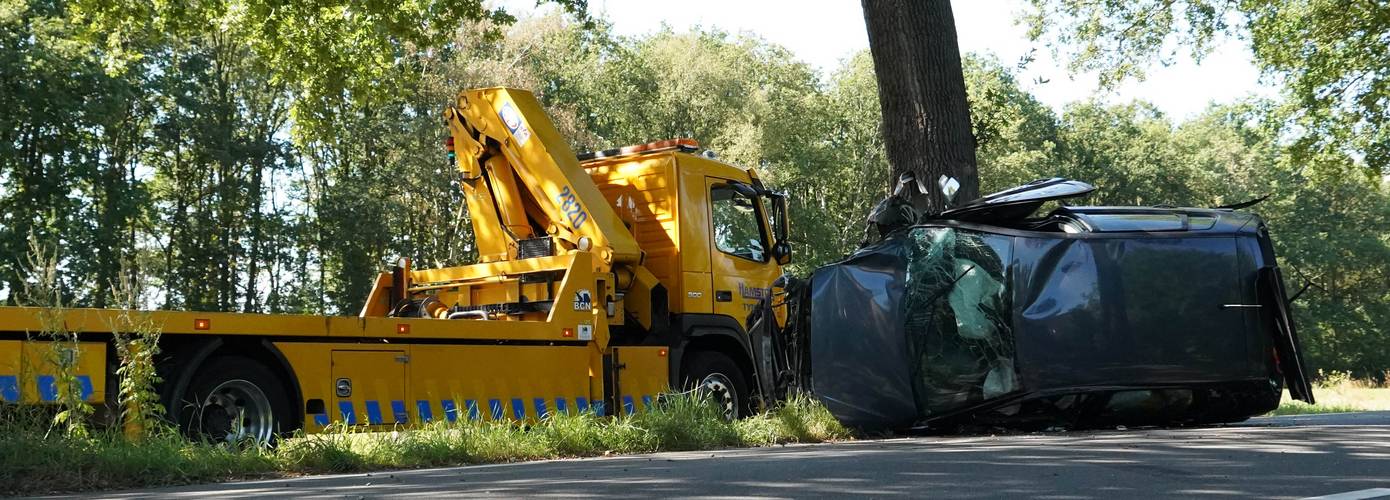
<point>782,251</point>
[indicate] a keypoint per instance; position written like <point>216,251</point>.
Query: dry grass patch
<point>1337,392</point>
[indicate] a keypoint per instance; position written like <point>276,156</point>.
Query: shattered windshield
<point>958,318</point>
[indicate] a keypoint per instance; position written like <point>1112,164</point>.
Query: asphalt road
<point>1347,455</point>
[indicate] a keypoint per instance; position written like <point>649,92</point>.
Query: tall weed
<point>137,344</point>
<point>41,290</point>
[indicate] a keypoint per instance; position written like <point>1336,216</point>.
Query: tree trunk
<point>253,269</point>
<point>926,118</point>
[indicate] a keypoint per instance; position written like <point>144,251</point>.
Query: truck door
<point>369,388</point>
<point>740,248</point>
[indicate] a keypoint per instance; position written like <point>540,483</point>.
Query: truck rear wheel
<point>235,399</point>
<point>714,374</point>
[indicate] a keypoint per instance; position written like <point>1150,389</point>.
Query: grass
<point>1339,393</point>
<point>33,460</point>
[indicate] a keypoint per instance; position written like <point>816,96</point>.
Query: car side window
<point>735,220</point>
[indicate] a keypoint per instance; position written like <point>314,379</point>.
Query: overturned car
<point>987,314</point>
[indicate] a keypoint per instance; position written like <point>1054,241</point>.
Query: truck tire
<point>715,374</point>
<point>235,399</point>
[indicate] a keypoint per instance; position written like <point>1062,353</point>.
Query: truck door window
<point>736,228</point>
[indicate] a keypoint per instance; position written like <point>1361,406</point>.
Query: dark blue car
<point>1085,316</point>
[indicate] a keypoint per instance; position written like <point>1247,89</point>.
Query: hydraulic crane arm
<point>524,184</point>
<point>523,180</point>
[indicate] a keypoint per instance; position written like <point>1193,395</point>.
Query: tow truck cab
<point>714,236</point>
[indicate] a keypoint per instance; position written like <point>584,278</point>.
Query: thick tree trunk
<point>926,119</point>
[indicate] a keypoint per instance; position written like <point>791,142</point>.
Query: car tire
<point>235,399</point>
<point>717,375</point>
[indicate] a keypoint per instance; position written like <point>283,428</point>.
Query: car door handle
<point>723,296</point>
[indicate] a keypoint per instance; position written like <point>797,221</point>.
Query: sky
<point>824,32</point>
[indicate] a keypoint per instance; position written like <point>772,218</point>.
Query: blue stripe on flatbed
<point>48,389</point>
<point>9,388</point>
<point>86,383</point>
<point>373,412</point>
<point>422,407</point>
<point>450,412</point>
<point>345,409</point>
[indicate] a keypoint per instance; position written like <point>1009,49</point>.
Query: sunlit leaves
<point>1332,56</point>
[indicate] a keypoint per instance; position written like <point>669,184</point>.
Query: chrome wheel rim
<point>721,390</point>
<point>237,410</point>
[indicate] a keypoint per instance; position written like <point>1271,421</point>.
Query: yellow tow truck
<point>603,280</point>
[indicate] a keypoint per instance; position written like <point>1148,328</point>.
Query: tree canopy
<point>1332,57</point>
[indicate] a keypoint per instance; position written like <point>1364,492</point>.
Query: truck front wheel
<point>717,376</point>
<point>234,399</point>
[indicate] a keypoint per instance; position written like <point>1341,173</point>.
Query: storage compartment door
<point>642,374</point>
<point>369,388</point>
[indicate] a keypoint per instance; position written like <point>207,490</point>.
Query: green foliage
<point>159,134</point>
<point>1301,408</point>
<point>1016,135</point>
<point>66,150</point>
<point>73,410</point>
<point>1331,55</point>
<point>35,463</point>
<point>799,419</point>
<point>682,422</point>
<point>63,353</point>
<point>137,344</point>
